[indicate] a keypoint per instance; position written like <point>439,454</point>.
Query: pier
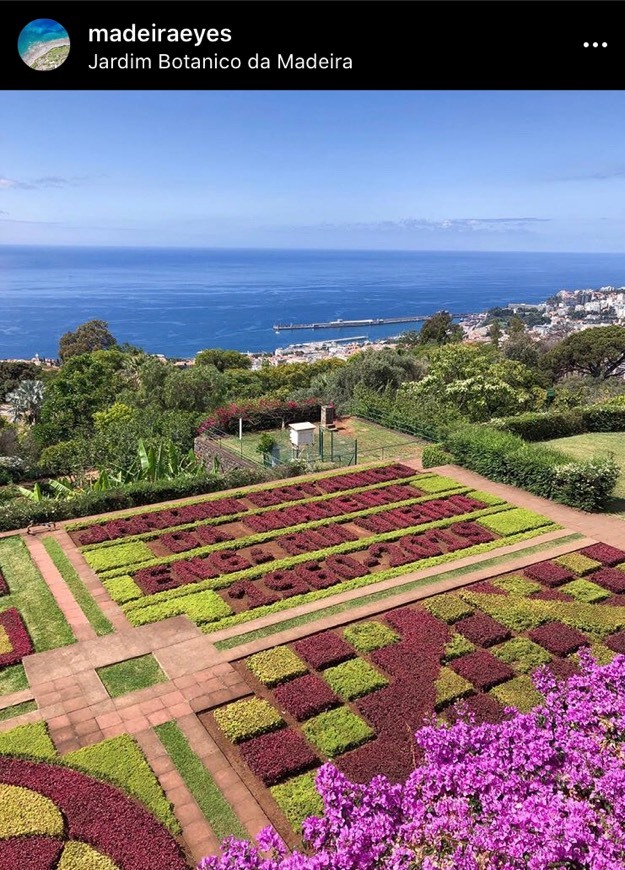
<point>347,324</point>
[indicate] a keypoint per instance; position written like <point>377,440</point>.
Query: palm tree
<point>25,401</point>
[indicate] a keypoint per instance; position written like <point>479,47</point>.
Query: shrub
<point>482,629</point>
<point>612,578</point>
<point>513,521</point>
<point>336,731</point>
<point>436,483</point>
<point>4,586</point>
<point>118,556</point>
<point>516,584</point>
<point>547,472</point>
<point>298,799</point>
<point>367,636</point>
<point>605,554</point>
<point>276,665</point>
<point>324,650</point>
<point>450,687</point>
<point>558,639</point>
<point>482,669</point>
<point>276,756</point>
<point>245,719</point>
<point>354,679</point>
<point>524,655</point>
<point>449,607</point>
<point>456,647</point>
<point>577,563</point>
<point>584,590</point>
<point>305,697</point>
<point>434,455</point>
<point>549,573</point>
<point>519,693</point>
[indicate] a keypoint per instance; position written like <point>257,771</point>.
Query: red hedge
<point>616,642</point>
<point>324,650</point>
<point>605,554</point>
<point>549,573</point>
<point>482,630</point>
<point>277,756</point>
<point>99,814</point>
<point>30,853</point>
<point>610,578</point>
<point>482,669</point>
<point>558,638</point>
<point>21,644</point>
<point>483,707</point>
<point>305,697</point>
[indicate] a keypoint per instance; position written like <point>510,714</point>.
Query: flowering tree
<point>538,791</point>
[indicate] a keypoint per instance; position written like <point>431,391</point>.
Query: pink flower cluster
<point>21,644</point>
<point>261,414</point>
<point>526,793</point>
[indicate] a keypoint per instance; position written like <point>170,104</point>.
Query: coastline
<point>40,49</point>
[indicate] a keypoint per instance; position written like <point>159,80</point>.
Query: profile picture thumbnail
<point>43,44</point>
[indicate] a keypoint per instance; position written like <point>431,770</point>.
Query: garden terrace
<point>356,693</point>
<point>273,558</point>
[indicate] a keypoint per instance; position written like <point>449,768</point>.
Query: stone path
<point>79,712</point>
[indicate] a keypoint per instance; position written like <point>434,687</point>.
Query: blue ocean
<point>39,31</point>
<point>178,301</point>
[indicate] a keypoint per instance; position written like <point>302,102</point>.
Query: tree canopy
<point>89,336</point>
<point>598,352</point>
<point>440,329</point>
<point>223,359</point>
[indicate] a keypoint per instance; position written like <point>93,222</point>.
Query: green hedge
<point>544,471</point>
<point>245,719</point>
<point>336,731</point>
<point>434,455</point>
<point>18,514</point>
<point>543,426</point>
<point>369,636</point>
<point>354,679</point>
<point>276,666</point>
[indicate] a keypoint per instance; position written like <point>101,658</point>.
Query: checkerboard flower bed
<point>278,756</point>
<point>558,638</point>
<point>549,573</point>
<point>482,669</point>
<point>249,718</point>
<point>610,578</point>
<point>15,641</point>
<point>482,630</point>
<point>304,697</point>
<point>276,665</point>
<point>324,650</point>
<point>605,554</point>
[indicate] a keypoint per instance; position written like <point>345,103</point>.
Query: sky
<point>403,170</point>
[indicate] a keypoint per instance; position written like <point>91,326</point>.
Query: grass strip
<point>87,604</point>
<point>217,811</point>
<point>137,673</point>
<point>17,710</point>
<point>13,679</point>
<point>313,616</point>
<point>29,593</point>
<point>263,537</point>
<point>225,493</point>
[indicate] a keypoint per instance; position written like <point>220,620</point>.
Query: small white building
<point>302,434</point>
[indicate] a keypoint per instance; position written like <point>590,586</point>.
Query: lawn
<point>373,442</point>
<point>133,674</point>
<point>598,444</point>
<point>30,596</point>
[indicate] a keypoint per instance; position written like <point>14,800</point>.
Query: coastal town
<point>562,314</point>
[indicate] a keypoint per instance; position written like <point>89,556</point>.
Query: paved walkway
<point>79,712</point>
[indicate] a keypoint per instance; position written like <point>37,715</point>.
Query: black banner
<point>313,45</point>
